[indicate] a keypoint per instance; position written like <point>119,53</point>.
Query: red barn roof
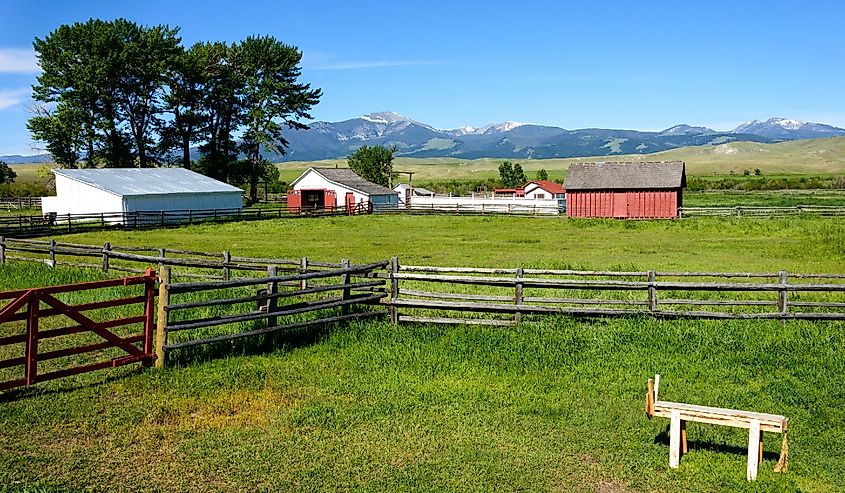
<point>547,185</point>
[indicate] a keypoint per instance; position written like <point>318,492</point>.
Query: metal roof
<point>348,178</point>
<point>626,176</point>
<point>147,181</point>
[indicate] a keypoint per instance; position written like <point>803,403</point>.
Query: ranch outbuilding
<point>97,191</point>
<point>638,190</point>
<point>328,188</point>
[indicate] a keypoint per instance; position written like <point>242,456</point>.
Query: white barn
<point>327,188</point>
<point>95,191</point>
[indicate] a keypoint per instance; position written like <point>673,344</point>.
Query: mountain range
<point>329,140</point>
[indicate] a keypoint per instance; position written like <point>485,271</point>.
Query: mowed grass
<point>798,244</point>
<point>549,406</point>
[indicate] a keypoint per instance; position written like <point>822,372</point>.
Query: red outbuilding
<point>646,190</point>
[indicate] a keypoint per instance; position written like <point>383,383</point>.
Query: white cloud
<point>12,97</point>
<point>18,61</point>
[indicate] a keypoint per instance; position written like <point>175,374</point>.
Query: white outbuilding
<point>96,191</point>
<point>328,188</point>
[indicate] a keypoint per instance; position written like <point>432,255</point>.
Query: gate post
<point>149,313</point>
<point>161,325</point>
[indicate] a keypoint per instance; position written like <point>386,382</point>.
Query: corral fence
<point>490,296</point>
<point>750,211</point>
<point>201,313</point>
<point>20,203</point>
<point>43,225</point>
<point>48,338</point>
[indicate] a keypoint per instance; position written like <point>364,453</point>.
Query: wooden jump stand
<point>679,414</point>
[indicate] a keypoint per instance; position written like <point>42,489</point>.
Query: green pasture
<point>552,405</point>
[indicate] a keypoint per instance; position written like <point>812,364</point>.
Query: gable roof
<point>628,176</point>
<point>349,179</point>
<point>147,181</point>
<point>547,185</point>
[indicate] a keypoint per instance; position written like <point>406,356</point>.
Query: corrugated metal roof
<point>626,176</point>
<point>147,181</point>
<point>349,179</point>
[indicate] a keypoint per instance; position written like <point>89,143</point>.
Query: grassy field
<point>550,406</point>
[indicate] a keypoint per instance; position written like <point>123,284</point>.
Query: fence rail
<point>503,296</point>
<point>20,203</point>
<point>750,211</point>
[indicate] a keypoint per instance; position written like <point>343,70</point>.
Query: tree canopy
<point>7,174</point>
<point>373,163</point>
<point>542,174</point>
<point>511,174</point>
<point>119,94</point>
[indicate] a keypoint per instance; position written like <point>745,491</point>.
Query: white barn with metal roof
<point>95,191</point>
<point>328,188</point>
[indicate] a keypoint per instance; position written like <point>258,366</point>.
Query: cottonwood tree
<point>542,174</point>
<point>271,98</point>
<point>511,174</point>
<point>7,174</point>
<point>373,163</point>
<point>184,102</point>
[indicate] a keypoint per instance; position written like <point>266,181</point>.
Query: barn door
<point>331,200</point>
<point>620,204</point>
<point>350,203</point>
<point>294,200</point>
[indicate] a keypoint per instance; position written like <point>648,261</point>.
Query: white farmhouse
<point>95,191</point>
<point>327,188</point>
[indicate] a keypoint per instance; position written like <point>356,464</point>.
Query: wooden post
<point>782,294</point>
<point>303,269</point>
<point>347,293</point>
<point>149,313</point>
<point>2,249</point>
<point>649,399</point>
<point>272,289</point>
<point>683,437</point>
<point>106,250</point>
<point>652,291</point>
<point>517,317</point>
<point>161,321</point>
<point>52,253</point>
<point>68,222</point>
<point>31,368</point>
<point>738,211</point>
<point>394,289</point>
<point>161,253</point>
<point>227,259</point>
<point>754,450</point>
<point>675,439</point>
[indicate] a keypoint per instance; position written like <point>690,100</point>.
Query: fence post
<point>52,261</point>
<point>782,298</point>
<point>518,295</point>
<point>161,253</point>
<point>161,320</point>
<point>738,211</point>
<point>162,218</point>
<point>149,313</point>
<point>394,289</point>
<point>227,259</point>
<point>32,310</point>
<point>652,291</point>
<point>2,249</point>
<point>347,293</point>
<point>272,302</point>
<point>68,222</point>
<point>303,269</point>
<point>106,250</point>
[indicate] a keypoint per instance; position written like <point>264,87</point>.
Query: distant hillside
<point>817,156</point>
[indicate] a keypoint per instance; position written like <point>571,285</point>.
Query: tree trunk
<point>253,178</point>
<point>186,151</point>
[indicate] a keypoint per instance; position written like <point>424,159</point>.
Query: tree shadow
<point>663,439</point>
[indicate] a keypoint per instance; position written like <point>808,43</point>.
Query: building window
<point>541,195</point>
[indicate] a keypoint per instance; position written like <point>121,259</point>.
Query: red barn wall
<point>640,204</point>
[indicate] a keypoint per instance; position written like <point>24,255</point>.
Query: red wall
<point>635,205</point>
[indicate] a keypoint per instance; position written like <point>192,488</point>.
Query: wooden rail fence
<point>490,296</point>
<point>751,211</point>
<point>348,293</point>
<point>20,203</point>
<point>26,348</point>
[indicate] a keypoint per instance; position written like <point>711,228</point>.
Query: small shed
<point>636,190</point>
<point>95,191</point>
<point>327,188</point>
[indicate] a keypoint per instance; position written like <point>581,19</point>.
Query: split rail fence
<point>33,336</point>
<point>489,296</point>
<point>750,211</point>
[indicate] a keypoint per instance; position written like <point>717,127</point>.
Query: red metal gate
<point>26,306</point>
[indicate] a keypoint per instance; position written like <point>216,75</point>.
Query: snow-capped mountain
<point>487,129</point>
<point>788,129</point>
<point>685,129</point>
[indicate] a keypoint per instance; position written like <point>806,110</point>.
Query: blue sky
<point>626,64</point>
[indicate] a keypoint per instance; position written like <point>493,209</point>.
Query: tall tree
<point>183,100</point>
<point>373,163</point>
<point>511,174</point>
<point>271,98</point>
<point>62,132</point>
<point>7,174</point>
<point>542,174</point>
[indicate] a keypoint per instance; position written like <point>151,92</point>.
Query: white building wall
<point>73,197</point>
<point>184,201</point>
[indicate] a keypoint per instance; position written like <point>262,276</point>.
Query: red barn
<point>647,190</point>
